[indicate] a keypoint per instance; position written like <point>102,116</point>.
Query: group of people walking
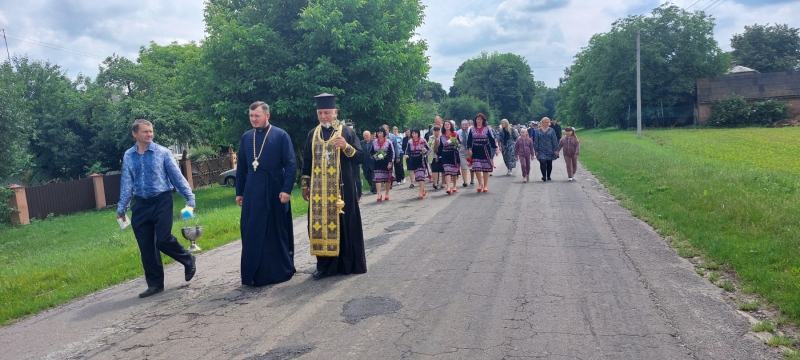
<point>468,152</point>
<point>330,179</point>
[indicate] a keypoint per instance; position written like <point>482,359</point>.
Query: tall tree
<point>58,141</point>
<point>677,47</point>
<point>466,107</point>
<point>15,123</point>
<point>767,48</point>
<point>544,102</point>
<point>430,90</point>
<point>286,52</point>
<point>505,81</point>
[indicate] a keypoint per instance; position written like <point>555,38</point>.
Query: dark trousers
<point>368,174</point>
<point>151,220</point>
<point>399,172</point>
<point>546,167</point>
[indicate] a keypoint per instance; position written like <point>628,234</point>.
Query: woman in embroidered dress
<point>480,143</point>
<point>448,156</point>
<point>416,149</point>
<point>508,139</point>
<point>545,147</point>
<point>383,167</point>
<point>436,164</point>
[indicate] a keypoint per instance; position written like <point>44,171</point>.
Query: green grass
<point>780,340</point>
<point>764,326</point>
<point>713,277</point>
<point>791,355</point>
<point>53,261</point>
<point>749,305</point>
<point>727,286</point>
<point>733,194</point>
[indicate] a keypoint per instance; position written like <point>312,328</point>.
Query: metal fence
<point>207,171</point>
<point>111,185</point>
<point>61,198</point>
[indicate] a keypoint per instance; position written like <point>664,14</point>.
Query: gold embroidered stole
<point>323,227</point>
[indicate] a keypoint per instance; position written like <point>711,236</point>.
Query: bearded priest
<point>264,180</point>
<point>334,219</point>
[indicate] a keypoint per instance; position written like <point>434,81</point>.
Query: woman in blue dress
<point>545,147</point>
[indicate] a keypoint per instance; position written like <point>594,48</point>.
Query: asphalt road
<point>552,270</point>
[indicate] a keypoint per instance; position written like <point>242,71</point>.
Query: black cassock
<point>266,223</point>
<point>352,257</point>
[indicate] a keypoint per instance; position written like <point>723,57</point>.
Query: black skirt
<point>436,166</point>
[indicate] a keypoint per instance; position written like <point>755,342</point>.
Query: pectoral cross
<point>328,155</point>
<point>255,165</point>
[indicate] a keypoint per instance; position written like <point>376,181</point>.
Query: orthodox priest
<point>334,219</point>
<point>264,179</point>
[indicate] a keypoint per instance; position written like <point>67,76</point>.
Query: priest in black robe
<point>329,185</point>
<point>264,179</point>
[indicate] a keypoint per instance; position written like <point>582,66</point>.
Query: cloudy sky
<point>78,34</point>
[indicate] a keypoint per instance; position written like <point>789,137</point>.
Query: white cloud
<point>548,33</point>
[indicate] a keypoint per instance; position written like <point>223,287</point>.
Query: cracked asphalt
<point>554,270</point>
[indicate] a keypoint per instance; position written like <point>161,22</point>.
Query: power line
<point>695,3</point>
<point>717,5</point>
<point>711,4</point>
<point>52,46</point>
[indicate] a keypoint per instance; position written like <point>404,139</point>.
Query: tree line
<point>285,52</point>
<point>677,47</point>
<point>282,52</point>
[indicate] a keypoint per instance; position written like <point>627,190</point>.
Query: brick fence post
<point>19,202</point>
<point>186,164</point>
<point>99,191</point>
<point>232,157</point>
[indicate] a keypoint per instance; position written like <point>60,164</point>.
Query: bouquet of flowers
<point>469,161</point>
<point>453,139</point>
<point>380,155</point>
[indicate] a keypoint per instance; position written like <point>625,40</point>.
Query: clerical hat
<point>326,101</point>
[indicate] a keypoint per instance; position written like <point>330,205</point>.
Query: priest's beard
<point>328,125</point>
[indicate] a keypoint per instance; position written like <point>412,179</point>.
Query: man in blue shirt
<point>149,173</point>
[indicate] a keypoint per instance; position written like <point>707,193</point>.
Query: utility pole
<point>6,40</point>
<point>638,85</point>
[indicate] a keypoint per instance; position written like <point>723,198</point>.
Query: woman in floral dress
<point>383,152</point>
<point>448,156</point>
<point>416,149</point>
<point>480,143</point>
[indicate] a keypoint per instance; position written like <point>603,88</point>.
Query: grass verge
<point>734,195</point>
<point>54,261</point>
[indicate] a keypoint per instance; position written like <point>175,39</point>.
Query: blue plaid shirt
<point>149,174</point>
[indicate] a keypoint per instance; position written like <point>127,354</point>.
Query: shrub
<point>734,111</point>
<point>731,111</point>
<point>5,209</point>
<point>202,153</point>
<point>768,112</point>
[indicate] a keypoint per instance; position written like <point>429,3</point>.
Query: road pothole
<point>284,353</point>
<point>359,309</point>
<point>379,240</point>
<point>403,225</point>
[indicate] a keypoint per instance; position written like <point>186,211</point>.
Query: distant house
<point>752,86</point>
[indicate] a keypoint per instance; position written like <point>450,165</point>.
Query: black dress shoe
<point>318,275</point>
<point>151,291</point>
<point>191,269</point>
